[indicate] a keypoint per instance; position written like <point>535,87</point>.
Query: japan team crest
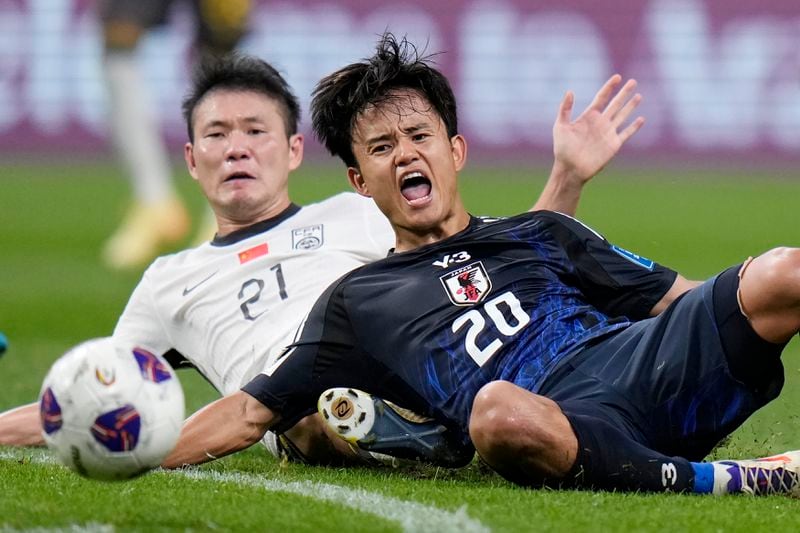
<point>468,285</point>
<point>308,238</point>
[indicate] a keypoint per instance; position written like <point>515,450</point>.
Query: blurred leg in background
<point>156,218</point>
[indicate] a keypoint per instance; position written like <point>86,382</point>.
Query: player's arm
<point>138,323</point>
<point>21,426</point>
<point>584,146</point>
<point>614,280</point>
<point>221,428</point>
<point>679,286</point>
<point>276,399</point>
<point>283,393</point>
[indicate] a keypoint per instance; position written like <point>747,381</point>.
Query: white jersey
<point>231,305</point>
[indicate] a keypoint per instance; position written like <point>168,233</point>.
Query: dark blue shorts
<point>678,383</point>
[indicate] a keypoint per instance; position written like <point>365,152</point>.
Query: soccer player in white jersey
<point>229,306</point>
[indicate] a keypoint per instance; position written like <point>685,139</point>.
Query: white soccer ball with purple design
<point>110,410</point>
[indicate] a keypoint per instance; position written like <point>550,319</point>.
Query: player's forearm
<point>679,286</point>
<point>21,426</point>
<point>221,428</point>
<point>562,192</point>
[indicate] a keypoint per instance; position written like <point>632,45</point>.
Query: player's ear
<point>295,151</point>
<point>357,182</point>
<point>188,155</point>
<point>459,149</point>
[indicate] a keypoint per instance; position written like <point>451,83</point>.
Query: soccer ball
<point>110,410</point>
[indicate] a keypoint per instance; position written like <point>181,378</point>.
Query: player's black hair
<point>240,73</point>
<point>341,97</point>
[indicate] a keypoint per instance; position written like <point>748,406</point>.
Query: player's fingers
<point>605,92</point>
<point>629,132</point>
<point>565,108</point>
<point>626,110</point>
<point>620,99</point>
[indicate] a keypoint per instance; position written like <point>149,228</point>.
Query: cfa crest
<point>308,238</point>
<point>467,285</point>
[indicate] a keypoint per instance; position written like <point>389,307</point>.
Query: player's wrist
<point>566,177</point>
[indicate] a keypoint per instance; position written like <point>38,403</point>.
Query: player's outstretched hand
<point>584,146</point>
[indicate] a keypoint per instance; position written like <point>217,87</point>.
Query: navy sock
<point>609,460</point>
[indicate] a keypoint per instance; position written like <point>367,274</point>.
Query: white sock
<point>721,478</point>
<point>136,133</point>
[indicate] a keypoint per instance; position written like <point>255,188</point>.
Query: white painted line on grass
<point>411,516</point>
<point>91,527</point>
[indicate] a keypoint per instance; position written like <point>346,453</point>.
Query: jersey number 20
<point>476,322</point>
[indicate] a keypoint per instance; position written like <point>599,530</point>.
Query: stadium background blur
<point>718,76</point>
<point>710,179</point>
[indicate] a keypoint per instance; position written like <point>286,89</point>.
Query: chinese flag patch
<point>253,253</point>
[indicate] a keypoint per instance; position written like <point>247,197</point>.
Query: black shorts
<point>220,23</point>
<point>678,383</point>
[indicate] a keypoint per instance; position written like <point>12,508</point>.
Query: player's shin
<point>607,459</point>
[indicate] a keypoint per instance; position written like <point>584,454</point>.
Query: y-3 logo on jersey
<point>452,259</point>
<point>467,285</point>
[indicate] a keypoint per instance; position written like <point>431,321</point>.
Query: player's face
<point>409,166</point>
<point>241,156</point>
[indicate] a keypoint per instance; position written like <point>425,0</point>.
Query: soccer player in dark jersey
<point>242,120</point>
<point>564,359</point>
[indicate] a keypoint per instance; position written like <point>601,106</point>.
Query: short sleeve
<point>614,280</point>
<point>140,321</point>
<point>325,355</point>
<point>377,229</point>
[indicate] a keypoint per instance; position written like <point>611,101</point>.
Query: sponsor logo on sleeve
<point>308,238</point>
<point>467,285</point>
<point>633,258</point>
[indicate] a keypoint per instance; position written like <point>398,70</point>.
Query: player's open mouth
<point>239,176</point>
<point>415,188</point>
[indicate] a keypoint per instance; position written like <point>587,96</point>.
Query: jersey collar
<point>473,223</point>
<point>255,229</point>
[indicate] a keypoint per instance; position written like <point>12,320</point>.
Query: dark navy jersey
<point>507,299</point>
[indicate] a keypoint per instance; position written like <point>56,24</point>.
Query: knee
<point>772,278</point>
<point>781,266</point>
<point>523,436</point>
<point>491,416</point>
<point>500,417</point>
<point>769,294</point>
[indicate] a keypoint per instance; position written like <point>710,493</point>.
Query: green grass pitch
<point>54,293</point>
